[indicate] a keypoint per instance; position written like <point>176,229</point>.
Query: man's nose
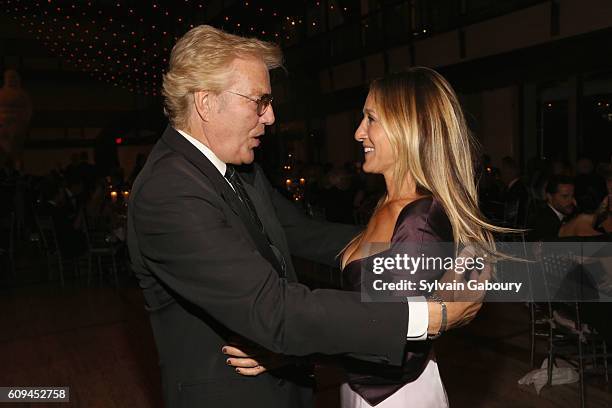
<point>268,117</point>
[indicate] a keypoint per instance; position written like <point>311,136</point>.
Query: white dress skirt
<point>427,391</point>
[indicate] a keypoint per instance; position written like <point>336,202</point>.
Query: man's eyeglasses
<point>262,103</point>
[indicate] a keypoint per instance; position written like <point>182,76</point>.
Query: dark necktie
<point>232,176</point>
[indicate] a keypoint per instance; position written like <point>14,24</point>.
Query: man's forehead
<point>259,90</point>
<point>251,74</point>
<point>565,188</point>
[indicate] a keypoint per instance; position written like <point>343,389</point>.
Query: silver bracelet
<point>435,297</point>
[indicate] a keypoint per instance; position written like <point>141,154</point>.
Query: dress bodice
<point>420,222</point>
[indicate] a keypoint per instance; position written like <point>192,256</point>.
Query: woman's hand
<point>461,305</point>
<point>252,361</point>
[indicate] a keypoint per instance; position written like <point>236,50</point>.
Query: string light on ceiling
<point>127,44</point>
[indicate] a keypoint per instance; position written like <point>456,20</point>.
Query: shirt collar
<point>559,215</point>
<point>218,163</point>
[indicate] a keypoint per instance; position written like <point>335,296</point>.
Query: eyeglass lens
<point>263,103</point>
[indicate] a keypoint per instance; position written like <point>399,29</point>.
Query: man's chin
<point>247,158</point>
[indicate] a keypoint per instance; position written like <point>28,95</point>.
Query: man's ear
<point>547,197</point>
<point>202,101</point>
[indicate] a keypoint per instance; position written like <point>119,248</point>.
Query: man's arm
<point>186,242</point>
<point>320,241</point>
<point>317,241</point>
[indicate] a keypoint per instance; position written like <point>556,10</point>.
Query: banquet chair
<point>510,219</point>
<point>7,242</point>
<point>567,337</point>
<point>101,244</point>
<point>50,246</point>
<point>539,312</point>
<point>510,216</point>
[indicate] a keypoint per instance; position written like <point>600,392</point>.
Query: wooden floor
<point>98,341</point>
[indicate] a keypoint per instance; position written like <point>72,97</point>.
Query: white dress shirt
<point>418,312</point>
<point>222,167</point>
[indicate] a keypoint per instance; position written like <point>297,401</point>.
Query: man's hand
<point>461,305</point>
<point>252,361</point>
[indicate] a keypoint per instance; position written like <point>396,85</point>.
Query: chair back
<point>99,232</point>
<point>511,210</point>
<point>48,236</point>
<point>558,271</point>
<point>7,233</point>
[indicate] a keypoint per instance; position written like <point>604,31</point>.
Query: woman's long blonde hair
<point>422,117</point>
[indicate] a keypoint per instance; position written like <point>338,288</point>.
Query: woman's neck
<point>406,191</point>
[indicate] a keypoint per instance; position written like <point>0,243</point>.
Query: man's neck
<point>205,150</point>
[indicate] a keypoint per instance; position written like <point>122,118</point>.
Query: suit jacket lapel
<point>256,190</point>
<point>179,144</point>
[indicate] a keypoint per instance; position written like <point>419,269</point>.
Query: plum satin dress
<point>417,383</point>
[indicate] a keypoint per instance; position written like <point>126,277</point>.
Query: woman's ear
<point>202,104</point>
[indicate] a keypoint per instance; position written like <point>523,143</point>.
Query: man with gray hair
<point>212,247</point>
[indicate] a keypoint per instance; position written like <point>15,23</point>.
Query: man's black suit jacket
<point>546,225</point>
<point>208,273</point>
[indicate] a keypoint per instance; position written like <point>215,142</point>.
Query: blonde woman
<point>413,133</point>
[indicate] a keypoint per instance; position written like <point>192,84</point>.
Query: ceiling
<point>127,43</point>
